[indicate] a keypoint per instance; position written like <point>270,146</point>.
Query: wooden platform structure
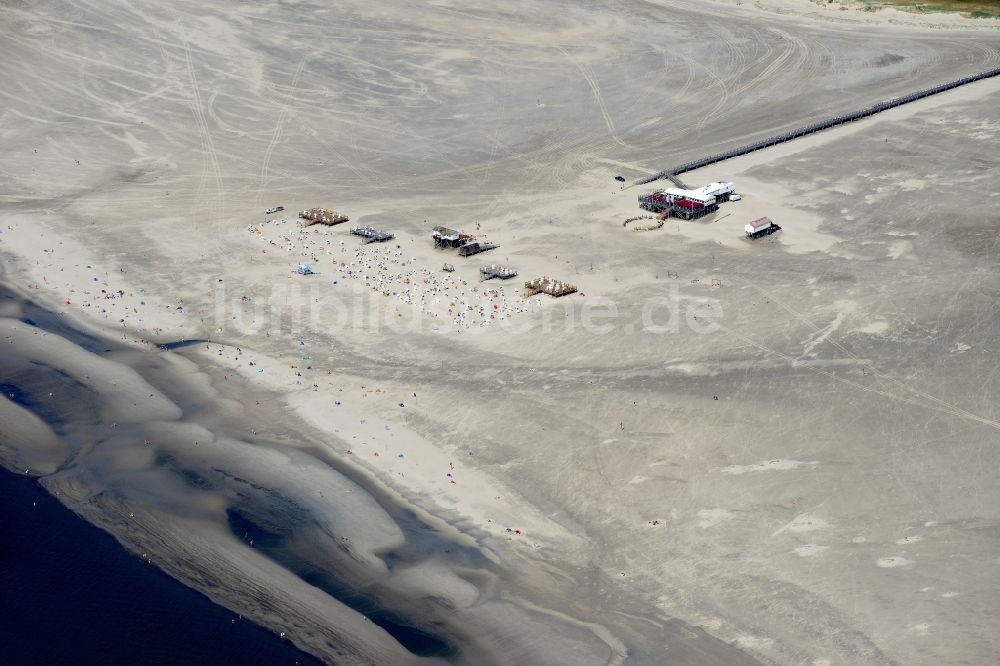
<point>547,285</point>
<point>655,202</point>
<point>446,237</point>
<point>692,210</point>
<point>371,234</point>
<point>672,177</point>
<point>497,271</point>
<point>470,249</point>
<point>670,206</point>
<point>322,216</point>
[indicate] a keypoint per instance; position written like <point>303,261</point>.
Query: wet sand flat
<point>716,451</point>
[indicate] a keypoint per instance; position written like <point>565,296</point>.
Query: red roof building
<point>687,203</point>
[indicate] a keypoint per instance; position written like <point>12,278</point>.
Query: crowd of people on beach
<point>99,291</point>
<point>388,271</point>
<point>442,296</point>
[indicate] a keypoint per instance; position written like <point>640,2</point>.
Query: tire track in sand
<point>277,132</point>
<point>199,115</point>
<point>598,97</point>
<point>937,403</point>
<point>771,70</point>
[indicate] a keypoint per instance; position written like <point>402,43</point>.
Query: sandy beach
<point>717,451</point>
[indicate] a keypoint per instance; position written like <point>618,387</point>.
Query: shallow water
<point>417,641</point>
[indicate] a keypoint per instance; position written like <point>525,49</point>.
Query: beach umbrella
<point>620,179</point>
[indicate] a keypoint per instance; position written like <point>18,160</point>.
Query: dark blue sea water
<point>70,594</point>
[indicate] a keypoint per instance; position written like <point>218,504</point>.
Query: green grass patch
<point>973,8</point>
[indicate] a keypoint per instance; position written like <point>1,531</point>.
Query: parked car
<point>276,209</point>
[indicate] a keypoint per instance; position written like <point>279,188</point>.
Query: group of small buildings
<point>466,243</point>
<point>687,204</point>
<point>332,217</point>
<point>692,204</point>
<point>444,237</point>
<point>329,218</point>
